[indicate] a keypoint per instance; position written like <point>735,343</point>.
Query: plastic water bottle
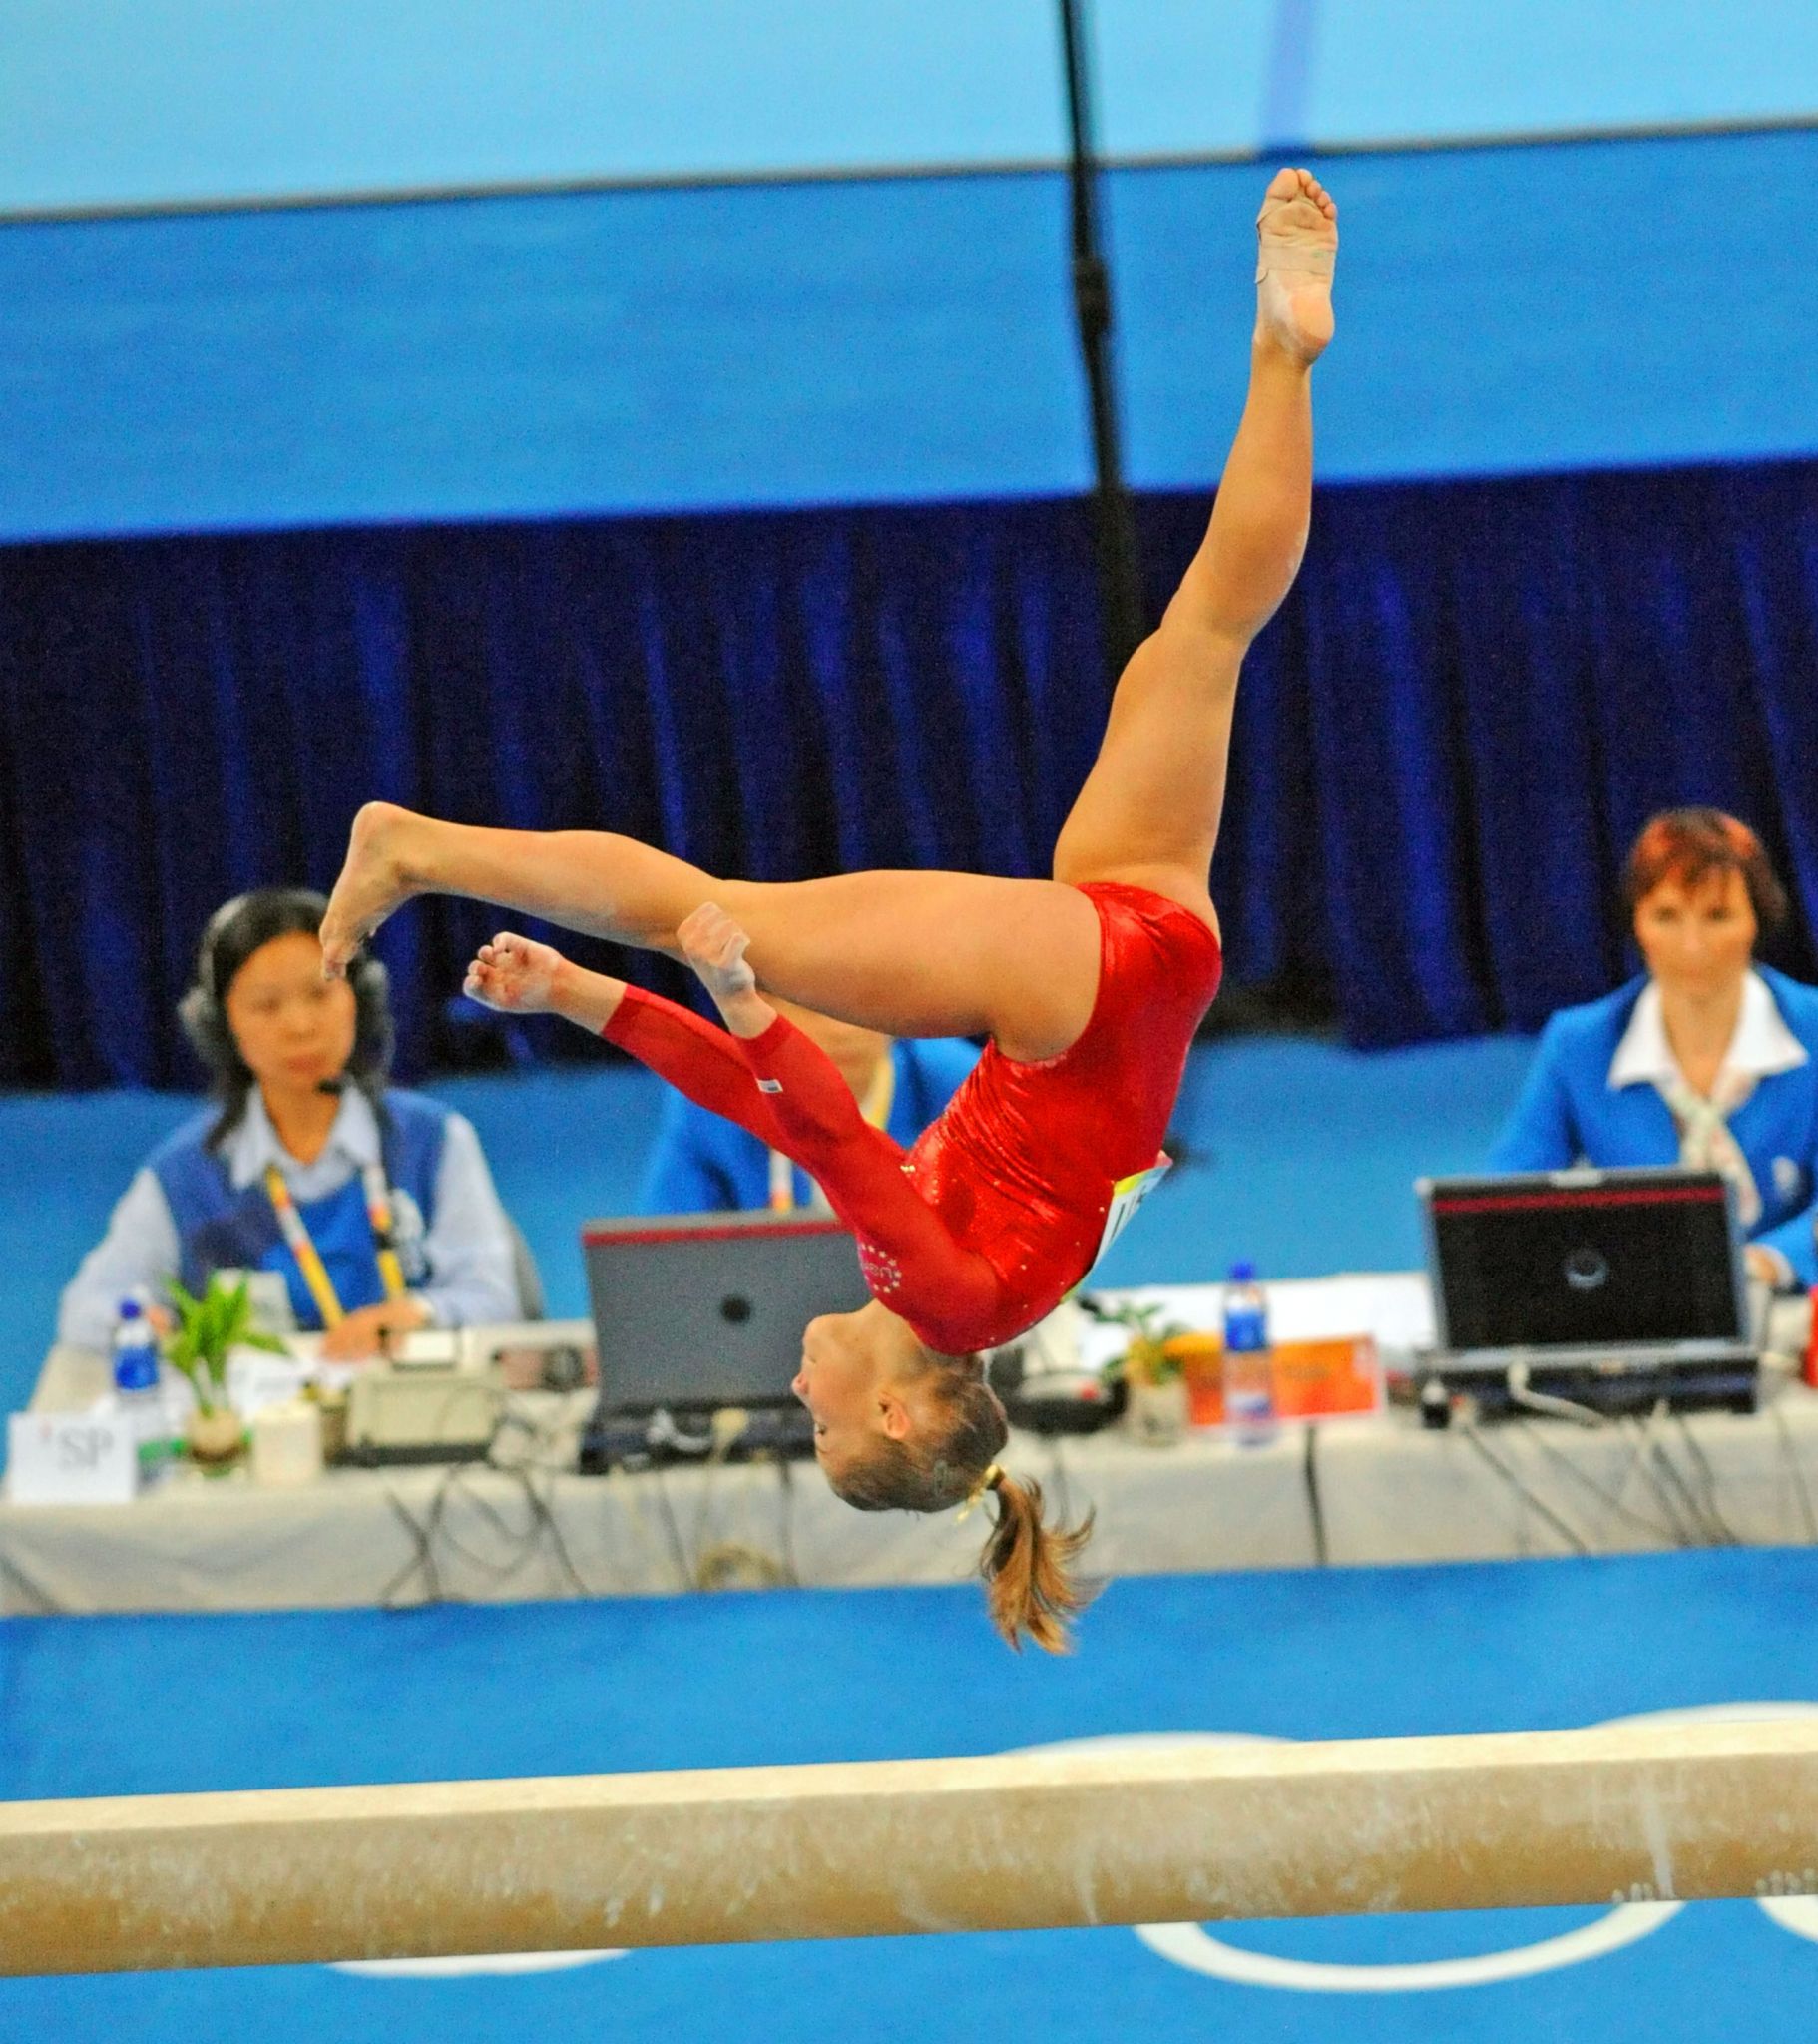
<point>137,1391</point>
<point>1250,1387</point>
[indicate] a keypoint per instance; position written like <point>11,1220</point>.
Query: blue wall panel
<point>1505,310</point>
<point>129,102</point>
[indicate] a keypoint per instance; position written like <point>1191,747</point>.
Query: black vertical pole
<point>1119,578</point>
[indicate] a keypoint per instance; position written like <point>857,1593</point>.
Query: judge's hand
<point>1766,1266</point>
<point>363,1334</point>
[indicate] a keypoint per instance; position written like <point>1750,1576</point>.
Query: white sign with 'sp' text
<point>70,1458</point>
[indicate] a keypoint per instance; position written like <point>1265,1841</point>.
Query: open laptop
<point>1606,1288</point>
<point>697,1313</point>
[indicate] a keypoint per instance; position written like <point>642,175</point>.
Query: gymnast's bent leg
<point>908,953</point>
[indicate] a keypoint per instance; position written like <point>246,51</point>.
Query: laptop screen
<point>1604,1259</point>
<point>706,1311</point>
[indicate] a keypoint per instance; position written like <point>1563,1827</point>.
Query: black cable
<point>1709,1477</point>
<point>673,1526</point>
<point>1710,1533</point>
<point>1650,1527</point>
<point>483,1505</point>
<point>556,1538</point>
<point>1644,1465</point>
<point>544,1435</point>
<point>1527,1496</point>
<point>1316,1511</point>
<point>521,1542</point>
<point>542,1523</point>
<point>1703,1532</point>
<point>1791,1458</point>
<point>423,1559</point>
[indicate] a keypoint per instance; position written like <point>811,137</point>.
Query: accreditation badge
<point>1126,1195</point>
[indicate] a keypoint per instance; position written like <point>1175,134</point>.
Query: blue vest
<point>220,1227</point>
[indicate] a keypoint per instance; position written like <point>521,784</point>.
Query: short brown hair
<point>1694,845</point>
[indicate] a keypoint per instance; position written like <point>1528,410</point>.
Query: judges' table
<point>1350,1491</point>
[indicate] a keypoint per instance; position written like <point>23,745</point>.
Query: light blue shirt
<point>467,1251</point>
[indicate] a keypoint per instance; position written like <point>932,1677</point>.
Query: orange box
<point>1202,1360</point>
<point>1311,1380</point>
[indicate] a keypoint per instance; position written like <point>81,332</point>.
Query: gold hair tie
<point>989,1482</point>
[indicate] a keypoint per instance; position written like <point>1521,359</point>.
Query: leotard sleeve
<point>789,1092</point>
<point>698,1060</point>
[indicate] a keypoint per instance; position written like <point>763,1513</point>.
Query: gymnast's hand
<point>513,975</point>
<point>714,946</point>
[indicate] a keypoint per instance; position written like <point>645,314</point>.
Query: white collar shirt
<point>354,1144</point>
<point>1761,1045</point>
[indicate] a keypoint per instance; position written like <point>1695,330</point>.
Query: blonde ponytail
<point>1025,1567</point>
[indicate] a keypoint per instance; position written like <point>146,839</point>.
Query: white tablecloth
<point>1350,1491</point>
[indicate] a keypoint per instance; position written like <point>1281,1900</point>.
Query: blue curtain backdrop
<point>1474,698</point>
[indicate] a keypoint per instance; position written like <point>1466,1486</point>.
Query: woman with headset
<point>373,1203</point>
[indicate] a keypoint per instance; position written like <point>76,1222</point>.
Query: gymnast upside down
<point>1088,987</point>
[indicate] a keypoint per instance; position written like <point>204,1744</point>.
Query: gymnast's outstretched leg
<point>942,953</point>
<point>1148,812</point>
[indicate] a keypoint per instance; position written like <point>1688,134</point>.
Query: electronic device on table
<point>1043,1382</point>
<point>426,1402</point>
<point>698,1316</point>
<point>1605,1290</point>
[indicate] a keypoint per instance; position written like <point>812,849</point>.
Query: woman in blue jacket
<point>1707,1060</point>
<point>374,1205</point>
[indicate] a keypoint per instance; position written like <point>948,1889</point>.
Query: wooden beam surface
<point>1182,1833</point>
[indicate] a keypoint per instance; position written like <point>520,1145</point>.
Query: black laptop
<point>1611,1289</point>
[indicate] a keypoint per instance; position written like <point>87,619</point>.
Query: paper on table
<point>1396,1307</point>
<point>71,1459</point>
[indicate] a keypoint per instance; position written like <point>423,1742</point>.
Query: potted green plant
<point>208,1330</point>
<point>1156,1384</point>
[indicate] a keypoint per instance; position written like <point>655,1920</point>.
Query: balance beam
<point>1187,1832</point>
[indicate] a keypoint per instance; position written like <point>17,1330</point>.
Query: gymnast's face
<point>855,1381</point>
<point>294,1028</point>
<point>1697,942</point>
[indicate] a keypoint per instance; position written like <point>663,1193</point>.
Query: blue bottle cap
<point>1243,1272</point>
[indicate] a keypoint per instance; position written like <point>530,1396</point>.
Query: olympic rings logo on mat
<point>1194,1947</point>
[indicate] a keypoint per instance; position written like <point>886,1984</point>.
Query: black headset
<point>203,1010</point>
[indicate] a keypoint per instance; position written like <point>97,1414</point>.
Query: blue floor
<point>1299,1155</point>
<point>105,1705</point>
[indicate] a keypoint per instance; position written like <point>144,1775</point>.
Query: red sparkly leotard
<point>1005,1202</point>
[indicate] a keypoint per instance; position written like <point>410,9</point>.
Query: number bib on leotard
<point>1126,1196</point>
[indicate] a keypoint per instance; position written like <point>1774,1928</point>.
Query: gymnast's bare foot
<point>1296,247</point>
<point>374,881</point>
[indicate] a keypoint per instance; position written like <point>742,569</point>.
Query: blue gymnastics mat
<point>105,1706</point>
